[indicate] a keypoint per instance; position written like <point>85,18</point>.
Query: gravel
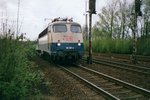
<point>62,86</point>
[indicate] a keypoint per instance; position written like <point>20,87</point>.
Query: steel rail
<point>135,68</point>
<point>100,90</point>
<point>124,64</point>
<point>124,56</point>
<point>120,66</point>
<point>125,84</point>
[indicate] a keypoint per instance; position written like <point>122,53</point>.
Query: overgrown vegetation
<point>114,31</point>
<point>143,46</point>
<point>111,46</point>
<point>18,80</point>
<point>119,46</point>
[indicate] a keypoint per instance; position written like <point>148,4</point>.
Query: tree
<point>115,19</point>
<point>146,16</point>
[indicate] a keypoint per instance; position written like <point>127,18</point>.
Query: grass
<point>143,46</point>
<point>110,46</point>
<point>119,46</point>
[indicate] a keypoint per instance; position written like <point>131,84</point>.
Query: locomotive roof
<point>44,32</point>
<point>64,22</point>
<point>57,21</point>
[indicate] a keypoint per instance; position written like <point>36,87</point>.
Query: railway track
<point>124,66</point>
<point>123,57</point>
<point>109,87</point>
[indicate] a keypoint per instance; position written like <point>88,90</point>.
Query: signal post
<point>91,11</point>
<point>136,14</point>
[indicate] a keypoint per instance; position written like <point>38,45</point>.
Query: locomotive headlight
<point>58,44</point>
<point>79,44</point>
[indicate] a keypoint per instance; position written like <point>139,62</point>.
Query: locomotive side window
<point>75,29</point>
<point>59,28</point>
<point>49,29</point>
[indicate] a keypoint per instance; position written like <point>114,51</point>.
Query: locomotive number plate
<point>68,38</point>
<point>69,47</point>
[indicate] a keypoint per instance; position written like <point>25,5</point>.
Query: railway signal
<point>92,6</point>
<point>138,4</point>
<point>91,11</point>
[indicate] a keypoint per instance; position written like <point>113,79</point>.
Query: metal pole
<point>18,17</point>
<point>6,23</point>
<point>134,60</point>
<point>3,28</point>
<point>90,39</point>
<point>86,27</point>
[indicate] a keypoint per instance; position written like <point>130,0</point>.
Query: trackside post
<point>91,11</point>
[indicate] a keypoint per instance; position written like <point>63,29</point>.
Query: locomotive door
<point>49,38</point>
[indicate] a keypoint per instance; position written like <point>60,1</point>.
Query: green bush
<point>143,46</point>
<point>123,46</point>
<point>17,79</point>
<point>108,45</point>
<point>120,46</point>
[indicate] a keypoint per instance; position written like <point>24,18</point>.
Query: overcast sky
<point>33,13</point>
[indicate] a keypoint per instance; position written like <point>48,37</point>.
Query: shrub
<point>108,45</point>
<point>143,46</point>
<point>17,78</point>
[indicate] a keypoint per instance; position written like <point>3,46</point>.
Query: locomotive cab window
<point>75,28</point>
<point>59,28</point>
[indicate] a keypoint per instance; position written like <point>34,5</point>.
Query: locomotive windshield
<point>75,28</point>
<point>59,28</point>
